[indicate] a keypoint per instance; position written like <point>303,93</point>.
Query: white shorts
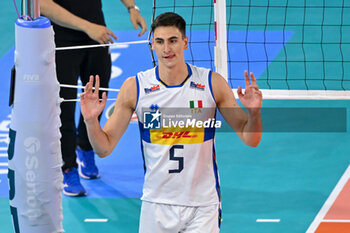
<point>163,218</point>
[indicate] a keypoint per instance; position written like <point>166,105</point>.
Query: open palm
<point>252,97</point>
<point>90,104</point>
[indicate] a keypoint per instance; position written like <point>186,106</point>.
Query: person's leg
<point>96,62</point>
<point>67,69</point>
<point>67,63</point>
<point>159,218</point>
<point>205,219</point>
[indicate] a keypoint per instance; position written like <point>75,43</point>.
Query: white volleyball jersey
<point>178,152</point>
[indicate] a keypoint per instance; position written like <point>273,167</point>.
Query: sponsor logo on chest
<point>197,86</point>
<point>152,89</point>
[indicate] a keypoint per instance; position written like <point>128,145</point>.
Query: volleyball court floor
<point>292,182</point>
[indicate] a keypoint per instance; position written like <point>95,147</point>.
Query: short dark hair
<point>170,19</point>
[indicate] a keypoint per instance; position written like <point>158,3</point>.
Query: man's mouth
<point>169,57</point>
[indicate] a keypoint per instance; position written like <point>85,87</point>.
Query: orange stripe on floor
<point>333,227</point>
<point>341,206</point>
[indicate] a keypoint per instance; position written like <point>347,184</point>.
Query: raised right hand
<point>90,105</point>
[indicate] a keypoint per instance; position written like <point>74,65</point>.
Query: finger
<point>88,85</point>
<point>143,25</point>
<point>253,78</point>
<point>112,34</point>
<point>97,85</point>
<point>259,93</point>
<point>134,22</point>
<point>104,38</point>
<point>86,88</point>
<point>255,86</point>
<point>108,39</point>
<point>239,92</point>
<point>142,32</point>
<point>104,99</point>
<point>246,77</point>
<point>100,40</point>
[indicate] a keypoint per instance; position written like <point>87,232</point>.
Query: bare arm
<point>104,140</point>
<point>64,18</point>
<point>247,126</point>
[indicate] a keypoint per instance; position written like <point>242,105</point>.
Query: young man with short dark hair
<point>181,191</point>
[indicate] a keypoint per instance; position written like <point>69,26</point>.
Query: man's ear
<point>152,43</point>
<point>186,42</point>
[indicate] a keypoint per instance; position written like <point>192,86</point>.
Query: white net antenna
<point>220,38</point>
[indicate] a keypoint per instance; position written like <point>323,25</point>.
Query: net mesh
<point>288,44</point>
<point>299,44</point>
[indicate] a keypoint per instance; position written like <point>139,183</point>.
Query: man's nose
<point>166,47</point>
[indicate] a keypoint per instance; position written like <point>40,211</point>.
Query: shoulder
<point>218,81</point>
<point>146,73</point>
<point>128,92</point>
<point>200,71</point>
<point>221,89</point>
<point>129,82</point>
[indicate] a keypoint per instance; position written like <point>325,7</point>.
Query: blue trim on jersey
<point>189,76</point>
<point>143,154</point>
<point>137,91</point>
<point>209,133</point>
<point>145,134</point>
<point>216,174</point>
<point>157,73</point>
<point>210,87</point>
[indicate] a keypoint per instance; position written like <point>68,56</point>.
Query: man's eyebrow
<point>170,38</point>
<point>173,37</point>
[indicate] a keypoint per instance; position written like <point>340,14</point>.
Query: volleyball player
<point>181,191</point>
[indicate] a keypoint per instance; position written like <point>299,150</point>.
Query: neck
<point>173,76</point>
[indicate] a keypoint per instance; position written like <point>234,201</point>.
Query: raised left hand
<point>252,97</point>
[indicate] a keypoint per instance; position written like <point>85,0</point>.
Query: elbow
<point>43,7</point>
<point>253,144</point>
<point>103,154</point>
<point>253,141</point>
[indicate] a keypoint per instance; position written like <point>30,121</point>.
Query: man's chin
<point>168,64</point>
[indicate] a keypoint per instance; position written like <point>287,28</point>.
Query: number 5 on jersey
<point>174,158</point>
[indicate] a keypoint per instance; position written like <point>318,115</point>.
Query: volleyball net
<point>298,49</point>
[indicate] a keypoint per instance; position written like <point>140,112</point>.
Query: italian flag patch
<point>196,104</point>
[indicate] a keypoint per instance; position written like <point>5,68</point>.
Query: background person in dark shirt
<point>81,22</point>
